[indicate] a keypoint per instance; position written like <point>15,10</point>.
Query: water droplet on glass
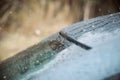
<point>83,30</point>
<point>117,31</point>
<point>93,25</point>
<point>111,15</point>
<point>4,77</point>
<point>52,54</point>
<point>113,21</point>
<point>10,12</point>
<point>25,68</point>
<point>37,32</point>
<point>41,54</point>
<point>37,61</point>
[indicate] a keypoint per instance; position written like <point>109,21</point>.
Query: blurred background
<point>26,22</point>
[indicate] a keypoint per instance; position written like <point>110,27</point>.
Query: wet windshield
<point>86,50</point>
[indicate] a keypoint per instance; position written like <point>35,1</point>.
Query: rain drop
<point>41,54</point>
<point>10,12</point>
<point>4,77</point>
<point>93,25</point>
<point>111,15</point>
<point>113,21</point>
<point>25,68</point>
<point>37,61</point>
<point>52,54</point>
<point>83,30</point>
<point>37,32</point>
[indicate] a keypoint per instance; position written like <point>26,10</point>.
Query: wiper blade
<point>84,46</point>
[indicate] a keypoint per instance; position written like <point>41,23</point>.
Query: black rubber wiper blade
<point>84,46</point>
